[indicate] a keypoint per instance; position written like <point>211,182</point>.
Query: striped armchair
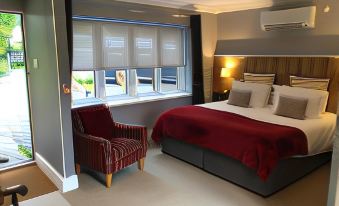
<point>104,145</point>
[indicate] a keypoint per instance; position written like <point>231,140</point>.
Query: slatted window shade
<point>115,46</point>
<point>171,47</point>
<point>145,47</point>
<point>106,45</point>
<point>83,46</point>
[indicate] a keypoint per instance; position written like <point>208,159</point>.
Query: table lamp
<point>226,73</point>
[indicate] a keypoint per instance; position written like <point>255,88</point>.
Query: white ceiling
<point>214,6</point>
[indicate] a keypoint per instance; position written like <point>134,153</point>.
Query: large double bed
<point>182,135</point>
<point>254,146</point>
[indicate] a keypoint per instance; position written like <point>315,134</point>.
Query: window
<point>115,82</point>
<point>116,59</point>
<point>83,85</point>
<point>145,81</point>
<point>169,79</point>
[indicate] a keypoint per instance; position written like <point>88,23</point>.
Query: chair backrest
<point>94,120</point>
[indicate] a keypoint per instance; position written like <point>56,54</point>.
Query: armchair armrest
<point>94,152</point>
<point>131,132</point>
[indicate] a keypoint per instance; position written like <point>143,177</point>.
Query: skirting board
<point>62,183</point>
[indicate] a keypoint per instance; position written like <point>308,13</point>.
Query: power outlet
<point>35,63</point>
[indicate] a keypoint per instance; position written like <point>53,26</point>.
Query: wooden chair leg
<point>77,169</point>
<point>141,164</point>
<point>108,180</point>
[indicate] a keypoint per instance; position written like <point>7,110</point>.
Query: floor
<point>36,181</point>
<point>14,118</point>
<point>167,181</point>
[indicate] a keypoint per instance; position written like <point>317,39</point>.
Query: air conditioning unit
<point>299,18</point>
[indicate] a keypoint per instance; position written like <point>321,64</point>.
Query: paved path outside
<point>14,117</point>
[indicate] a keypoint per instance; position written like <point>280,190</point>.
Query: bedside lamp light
<point>226,73</point>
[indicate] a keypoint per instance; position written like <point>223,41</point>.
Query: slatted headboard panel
<point>283,67</point>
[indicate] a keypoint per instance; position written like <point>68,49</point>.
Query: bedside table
<point>220,96</point>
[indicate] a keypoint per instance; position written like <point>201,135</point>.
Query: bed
<point>285,172</point>
<point>251,147</point>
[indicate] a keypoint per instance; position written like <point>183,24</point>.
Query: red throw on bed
<point>258,145</point>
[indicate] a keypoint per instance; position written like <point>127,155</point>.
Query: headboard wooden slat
<point>283,67</point>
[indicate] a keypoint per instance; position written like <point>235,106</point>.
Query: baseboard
<point>62,183</point>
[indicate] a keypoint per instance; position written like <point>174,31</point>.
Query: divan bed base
<point>286,172</point>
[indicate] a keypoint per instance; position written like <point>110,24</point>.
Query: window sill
<point>138,100</point>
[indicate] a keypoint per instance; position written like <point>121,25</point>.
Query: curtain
<point>197,67</point>
<point>69,23</point>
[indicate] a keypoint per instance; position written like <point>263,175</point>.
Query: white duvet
<point>319,132</point>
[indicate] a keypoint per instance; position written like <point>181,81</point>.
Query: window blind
<point>83,46</point>
<point>106,45</point>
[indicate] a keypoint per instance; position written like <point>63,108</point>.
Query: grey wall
<point>50,108</point>
<point>114,9</point>
<point>64,78</point>
<point>239,33</point>
<point>12,5</point>
<point>148,112</point>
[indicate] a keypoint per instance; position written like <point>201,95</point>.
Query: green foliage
<point>82,81</point>
<point>3,66</point>
<point>7,24</point>
<point>17,46</point>
<point>18,65</point>
<point>24,151</point>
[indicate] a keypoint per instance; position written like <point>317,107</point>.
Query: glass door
<point>15,124</point>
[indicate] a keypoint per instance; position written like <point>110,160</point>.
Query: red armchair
<point>104,145</point>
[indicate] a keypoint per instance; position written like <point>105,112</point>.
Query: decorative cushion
<point>259,78</point>
<point>239,98</point>
<point>317,99</point>
<point>260,92</point>
<point>309,83</point>
<point>97,121</point>
<point>292,107</point>
<point>123,147</point>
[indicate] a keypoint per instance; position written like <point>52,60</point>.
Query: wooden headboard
<point>283,67</point>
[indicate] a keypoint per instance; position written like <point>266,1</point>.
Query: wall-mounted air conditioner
<point>299,18</point>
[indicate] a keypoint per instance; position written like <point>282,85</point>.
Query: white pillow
<point>260,92</point>
<point>317,99</point>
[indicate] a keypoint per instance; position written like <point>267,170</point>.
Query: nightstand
<point>220,96</point>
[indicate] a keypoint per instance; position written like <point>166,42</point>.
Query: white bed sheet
<point>319,132</point>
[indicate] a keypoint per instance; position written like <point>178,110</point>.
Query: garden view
<point>15,130</point>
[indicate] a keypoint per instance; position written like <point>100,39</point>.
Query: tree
<point>7,24</point>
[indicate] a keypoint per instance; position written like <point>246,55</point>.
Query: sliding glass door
<point>15,124</point>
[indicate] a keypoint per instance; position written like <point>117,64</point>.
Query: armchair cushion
<point>122,147</point>
<point>97,121</point>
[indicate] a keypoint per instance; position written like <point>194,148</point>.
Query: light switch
<point>35,63</point>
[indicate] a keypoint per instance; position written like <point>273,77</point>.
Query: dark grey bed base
<point>286,172</point>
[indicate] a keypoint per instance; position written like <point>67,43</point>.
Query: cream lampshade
<point>226,73</point>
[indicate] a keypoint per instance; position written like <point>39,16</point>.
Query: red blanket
<point>258,145</point>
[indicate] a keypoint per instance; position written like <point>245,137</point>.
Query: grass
<point>24,151</point>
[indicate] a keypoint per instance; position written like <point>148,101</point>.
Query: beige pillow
<point>240,98</point>
<point>309,83</point>
<point>259,78</point>
<point>293,107</point>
